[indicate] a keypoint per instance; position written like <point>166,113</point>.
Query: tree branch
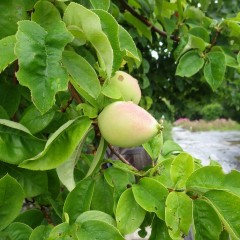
<point>146,21</point>
<point>120,156</point>
<point>74,93</point>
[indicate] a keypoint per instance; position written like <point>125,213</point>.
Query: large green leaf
<point>103,4</point>
<point>227,206</point>
<point>96,215</point>
<point>111,29</point>
<point>178,214</point>
<point>129,214</point>
<point>82,73</point>
<point>17,143</point>
<point>102,198</point>
<point>39,53</point>
<point>151,196</point>
<point>41,232</point>
<point>60,146</point>
<point>11,199</point>
<point>7,55</point>
<point>34,120</point>
<point>127,45</point>
<point>89,23</point>
<point>33,183</point>
<point>214,69</point>
<point>98,230</point>
<point>49,19</point>
<point>182,167</point>
<point>17,231</point>
<point>63,231</point>
<point>212,177</point>
<point>206,221</point>
<point>11,12</point>
<point>190,63</point>
<point>79,199</point>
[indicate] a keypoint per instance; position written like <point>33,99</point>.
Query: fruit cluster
<point>124,123</point>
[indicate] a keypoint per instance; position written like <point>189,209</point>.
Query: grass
<point>203,125</point>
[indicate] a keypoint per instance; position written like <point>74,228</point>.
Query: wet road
<point>223,147</point>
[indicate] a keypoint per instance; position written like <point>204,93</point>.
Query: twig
<point>120,156</point>
<point>63,109</point>
<point>146,21</point>
<point>74,93</point>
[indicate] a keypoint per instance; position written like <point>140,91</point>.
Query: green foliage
<point>59,178</point>
<point>212,111</point>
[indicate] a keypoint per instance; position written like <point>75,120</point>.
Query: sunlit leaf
<point>77,15</point>
<point>60,146</point>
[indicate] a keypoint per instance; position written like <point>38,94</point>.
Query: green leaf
<point>88,110</point>
<point>164,174</point>
<point>35,121</point>
<point>178,214</point>
<point>49,19</point>
<point>154,146</point>
<point>11,12</point>
<point>159,230</point>
<point>40,51</point>
<point>65,171</point>
<point>98,157</point>
<point>102,198</point>
<point>98,230</point>
<point>103,4</point>
<point>182,167</point>
<point>33,183</point>
<point>212,177</point>
<point>79,199</point>
<point>151,196</point>
<point>7,55</point>
<point>89,22</point>
<point>3,113</point>
<point>111,29</point>
<point>96,215</point>
<point>201,33</point>
<point>129,214</point>
<point>190,63</point>
<point>238,58</point>
<point>18,231</point>
<point>227,206</point>
<point>82,73</point>
<point>10,98</point>
<point>206,221</point>
<point>11,200</point>
<point>63,231</point>
<point>170,146</point>
<point>214,69</point>
<point>127,45</point>
<point>41,232</point>
<point>32,218</point>
<point>119,180</point>
<point>17,143</point>
<point>60,146</point>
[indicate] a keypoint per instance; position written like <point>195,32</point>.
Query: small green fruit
<point>125,124</point>
<point>127,85</point>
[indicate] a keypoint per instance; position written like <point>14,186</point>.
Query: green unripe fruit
<point>127,85</point>
<point>125,124</point>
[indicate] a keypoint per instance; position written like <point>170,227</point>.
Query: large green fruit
<point>125,124</point>
<point>127,85</point>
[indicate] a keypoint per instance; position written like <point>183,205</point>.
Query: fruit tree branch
<point>146,21</point>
